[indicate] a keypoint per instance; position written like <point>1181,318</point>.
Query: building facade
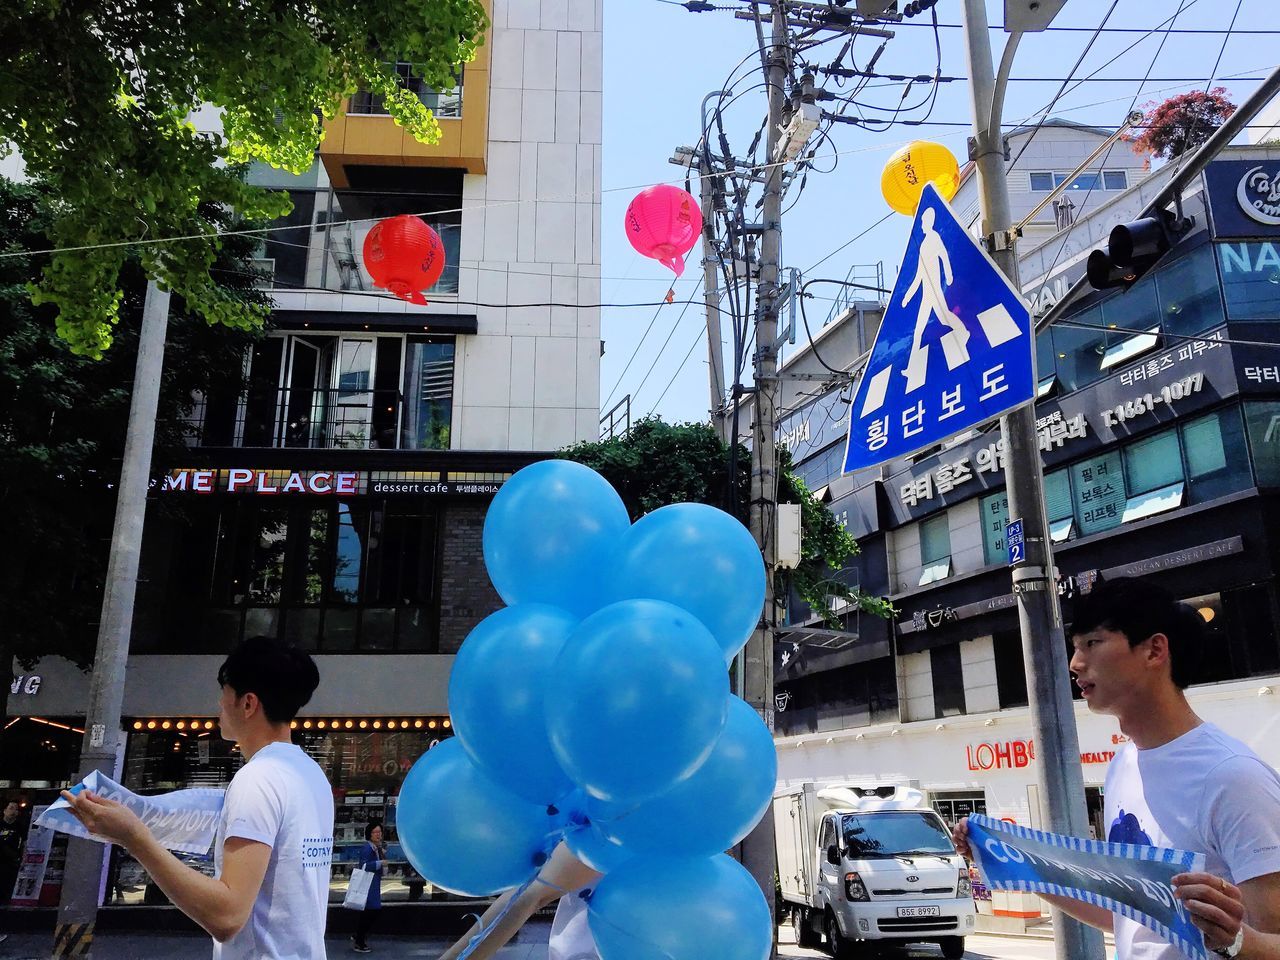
<point>1159,422</point>
<point>337,497</point>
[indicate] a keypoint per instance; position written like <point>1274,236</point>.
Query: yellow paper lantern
<point>911,168</point>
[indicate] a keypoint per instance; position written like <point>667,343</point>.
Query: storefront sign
<point>818,425</point>
<point>1006,755</point>
<point>1179,558</point>
<point>1134,881</point>
<point>35,859</point>
<point>267,482</point>
<point>1170,386</point>
<point>28,685</point>
<point>433,487</point>
<point>1244,197</point>
<point>922,620</point>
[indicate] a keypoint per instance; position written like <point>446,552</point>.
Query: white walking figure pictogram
<point>933,276</point>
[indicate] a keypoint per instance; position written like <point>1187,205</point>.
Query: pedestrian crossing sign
<point>955,347</point>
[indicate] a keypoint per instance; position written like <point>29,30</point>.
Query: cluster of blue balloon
<point>595,710</point>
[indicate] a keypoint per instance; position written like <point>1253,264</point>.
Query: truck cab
<point>878,865</point>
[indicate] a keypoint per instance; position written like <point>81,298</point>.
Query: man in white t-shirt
<point>269,898</point>
<point>1180,782</point>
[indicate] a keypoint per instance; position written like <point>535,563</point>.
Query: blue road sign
<point>954,349</point>
<point>1014,541</point>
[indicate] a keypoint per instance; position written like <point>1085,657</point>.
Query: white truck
<point>865,863</point>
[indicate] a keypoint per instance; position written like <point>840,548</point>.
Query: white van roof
<point>861,799</point>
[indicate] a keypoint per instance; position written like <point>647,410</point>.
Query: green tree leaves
<point>136,114</point>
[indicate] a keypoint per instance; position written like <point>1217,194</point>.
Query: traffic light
<point>1131,251</point>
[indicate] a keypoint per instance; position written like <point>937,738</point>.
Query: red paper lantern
<point>664,223</point>
<point>405,256</point>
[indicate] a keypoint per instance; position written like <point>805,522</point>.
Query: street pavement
<point>531,944</point>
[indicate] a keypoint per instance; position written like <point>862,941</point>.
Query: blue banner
<point>1125,878</point>
<point>184,820</point>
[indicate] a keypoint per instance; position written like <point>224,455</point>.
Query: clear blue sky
<point>660,61</point>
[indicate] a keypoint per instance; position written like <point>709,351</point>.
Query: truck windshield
<point>886,834</point>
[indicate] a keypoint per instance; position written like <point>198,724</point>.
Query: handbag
<point>358,889</point>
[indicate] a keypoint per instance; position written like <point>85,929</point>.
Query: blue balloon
<point>712,809</point>
<point>592,846</point>
<point>463,832</point>
<point>551,536</point>
<point>495,698</point>
<point>698,558</point>
<point>637,700</point>
<point>680,908</point>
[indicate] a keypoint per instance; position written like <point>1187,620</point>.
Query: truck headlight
<point>854,889</point>
<point>965,886</point>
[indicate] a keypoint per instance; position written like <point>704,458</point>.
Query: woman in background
<point>372,858</point>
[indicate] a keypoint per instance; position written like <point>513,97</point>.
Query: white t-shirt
<point>1205,792</point>
<point>570,936</point>
<point>281,798</point>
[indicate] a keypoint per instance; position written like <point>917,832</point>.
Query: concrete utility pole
<point>1034,579</point>
<point>86,859</point>
<point>758,853</point>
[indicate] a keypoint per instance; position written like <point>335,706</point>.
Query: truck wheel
<point>837,945</point>
<point>952,947</point>
<point>806,936</point>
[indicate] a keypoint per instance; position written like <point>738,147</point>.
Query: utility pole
<point>711,296</point>
<point>1034,578</point>
<point>758,853</point>
<point>86,859</point>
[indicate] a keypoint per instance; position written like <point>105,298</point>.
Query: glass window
<point>935,549</point>
<point>885,833</point>
<point>1057,504</point>
<point>1189,297</point>
<point>995,514</point>
<point>1084,182</point>
<point>1078,350</point>
<point>948,680</point>
<point>428,394</point>
<point>1216,455</point>
<point>1098,485</point>
<point>1137,308</point>
<point>447,103</point>
<point>1153,463</point>
<point>1042,182</point>
<point>1250,280</point>
<point>1115,180</point>
<point>1011,671</point>
<point>1264,438</point>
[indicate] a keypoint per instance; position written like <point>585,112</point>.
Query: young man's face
<point>11,811</point>
<point>229,715</point>
<point>1111,674</point>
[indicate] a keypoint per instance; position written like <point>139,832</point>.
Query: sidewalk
<point>530,944</point>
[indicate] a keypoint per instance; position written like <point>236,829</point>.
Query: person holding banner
<point>1180,782</point>
<point>270,895</point>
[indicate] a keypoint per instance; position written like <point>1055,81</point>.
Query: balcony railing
<point>325,419</point>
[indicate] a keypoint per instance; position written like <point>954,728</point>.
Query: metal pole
<point>711,297</point>
<point>1034,582</point>
<point>758,854</point>
<point>83,877</point>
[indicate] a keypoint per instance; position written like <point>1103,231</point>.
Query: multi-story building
<point>1042,157</point>
<point>337,498</point>
<point>1159,418</point>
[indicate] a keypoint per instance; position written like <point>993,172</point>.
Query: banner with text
<point>1129,879</point>
<point>184,820</point>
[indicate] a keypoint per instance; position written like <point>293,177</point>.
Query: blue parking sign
<point>955,348</point>
<point>1014,541</point>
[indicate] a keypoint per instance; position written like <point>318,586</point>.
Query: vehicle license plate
<point>919,911</point>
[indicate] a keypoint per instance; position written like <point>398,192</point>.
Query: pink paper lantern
<point>664,223</point>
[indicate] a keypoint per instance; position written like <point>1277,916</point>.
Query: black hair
<point>1139,608</point>
<point>370,827</point>
<point>282,676</point>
